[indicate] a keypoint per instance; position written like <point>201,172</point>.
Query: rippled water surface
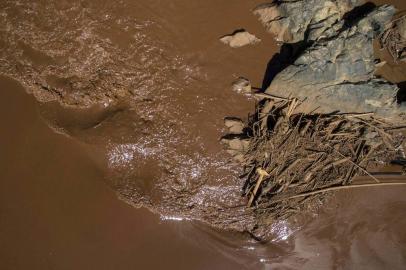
<point>128,100</point>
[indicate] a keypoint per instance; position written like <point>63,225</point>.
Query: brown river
<point>112,160</point>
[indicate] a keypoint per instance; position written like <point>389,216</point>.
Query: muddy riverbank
<point>144,88</point>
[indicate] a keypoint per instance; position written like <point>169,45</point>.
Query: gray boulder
<point>337,73</point>
<point>292,21</point>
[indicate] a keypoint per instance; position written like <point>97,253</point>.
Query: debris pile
<point>292,158</point>
<point>394,39</point>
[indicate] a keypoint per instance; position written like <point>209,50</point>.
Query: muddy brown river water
<point>144,87</point>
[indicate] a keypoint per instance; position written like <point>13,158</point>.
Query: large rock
<point>337,73</point>
<point>292,21</point>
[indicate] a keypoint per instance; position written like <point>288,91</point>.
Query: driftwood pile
<point>293,158</point>
<point>394,39</point>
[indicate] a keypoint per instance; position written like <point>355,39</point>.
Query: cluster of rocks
<point>327,106</point>
<point>335,67</point>
<point>335,70</point>
<point>237,145</point>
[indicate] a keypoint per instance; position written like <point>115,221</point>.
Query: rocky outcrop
<point>293,21</point>
<point>337,73</point>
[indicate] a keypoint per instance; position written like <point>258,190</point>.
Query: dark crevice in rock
<point>352,17</point>
<point>401,95</point>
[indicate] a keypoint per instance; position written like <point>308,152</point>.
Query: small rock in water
<point>239,39</point>
<point>242,85</point>
<point>237,144</point>
<point>234,125</point>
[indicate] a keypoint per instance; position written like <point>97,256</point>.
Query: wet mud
<point>136,93</point>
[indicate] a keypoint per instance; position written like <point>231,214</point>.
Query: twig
<point>359,167</point>
<point>269,96</point>
<point>381,131</point>
<point>373,148</point>
<point>357,155</point>
<point>339,188</point>
<point>396,128</point>
<point>262,173</point>
<point>356,114</point>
